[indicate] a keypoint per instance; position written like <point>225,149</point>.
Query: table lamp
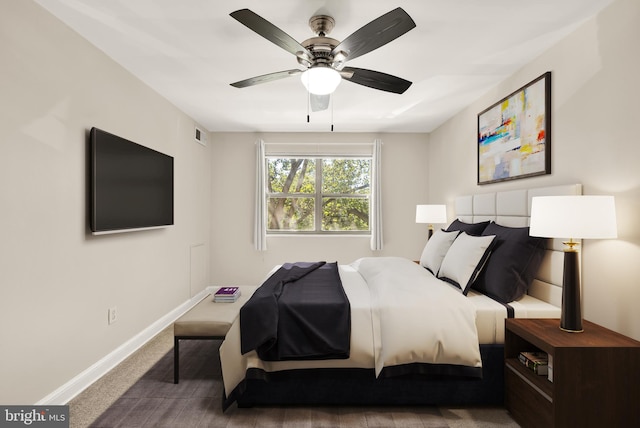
<point>575,217</point>
<point>431,214</point>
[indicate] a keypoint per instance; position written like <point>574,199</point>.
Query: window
<point>318,194</point>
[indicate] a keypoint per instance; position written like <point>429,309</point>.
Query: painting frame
<point>514,134</point>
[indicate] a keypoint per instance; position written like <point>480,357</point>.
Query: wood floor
<point>155,401</point>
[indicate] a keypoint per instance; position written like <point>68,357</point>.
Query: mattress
<point>490,314</point>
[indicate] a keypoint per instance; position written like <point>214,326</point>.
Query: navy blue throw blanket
<point>301,312</point>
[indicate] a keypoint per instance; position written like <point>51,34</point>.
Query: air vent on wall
<point>200,136</point>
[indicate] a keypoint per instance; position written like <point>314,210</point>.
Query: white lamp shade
<point>431,214</point>
<point>321,80</point>
<point>580,217</point>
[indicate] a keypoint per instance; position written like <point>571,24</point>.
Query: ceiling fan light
<point>320,80</point>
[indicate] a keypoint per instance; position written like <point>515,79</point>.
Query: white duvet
<point>400,314</point>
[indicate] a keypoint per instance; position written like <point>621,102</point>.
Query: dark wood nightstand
<point>596,376</point>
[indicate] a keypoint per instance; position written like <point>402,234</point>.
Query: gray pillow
<point>465,259</point>
<point>436,248</point>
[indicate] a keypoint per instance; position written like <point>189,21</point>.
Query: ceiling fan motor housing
<point>322,46</point>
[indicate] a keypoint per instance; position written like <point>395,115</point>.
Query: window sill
<point>318,235</point>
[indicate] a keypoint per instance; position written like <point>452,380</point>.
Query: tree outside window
<point>318,195</point>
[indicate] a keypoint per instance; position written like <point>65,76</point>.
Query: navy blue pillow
<point>474,229</point>
<point>513,263</point>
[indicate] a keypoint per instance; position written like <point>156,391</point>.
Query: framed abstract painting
<point>514,134</point>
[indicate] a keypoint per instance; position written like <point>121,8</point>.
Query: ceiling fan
<point>323,58</point>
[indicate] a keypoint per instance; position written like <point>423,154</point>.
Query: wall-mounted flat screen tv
<point>131,185</point>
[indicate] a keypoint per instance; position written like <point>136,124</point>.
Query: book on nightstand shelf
<point>227,294</point>
<point>536,361</point>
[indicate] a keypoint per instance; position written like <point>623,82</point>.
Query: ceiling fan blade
<point>377,33</point>
<point>265,78</point>
<point>319,102</point>
<point>375,80</point>
<point>271,32</point>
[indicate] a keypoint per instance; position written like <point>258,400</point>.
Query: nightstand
<point>596,376</point>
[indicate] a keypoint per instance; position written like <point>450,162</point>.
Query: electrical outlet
<point>113,315</point>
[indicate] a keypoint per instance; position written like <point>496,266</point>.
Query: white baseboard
<point>75,386</point>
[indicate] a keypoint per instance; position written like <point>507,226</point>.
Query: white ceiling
<point>191,50</point>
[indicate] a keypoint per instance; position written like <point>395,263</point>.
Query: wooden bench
<point>207,320</point>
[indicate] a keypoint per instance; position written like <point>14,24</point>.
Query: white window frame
<point>375,205</point>
<point>318,196</point>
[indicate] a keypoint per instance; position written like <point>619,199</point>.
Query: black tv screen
<point>131,185</point>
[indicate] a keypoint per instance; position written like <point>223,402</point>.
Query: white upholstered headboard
<point>513,208</point>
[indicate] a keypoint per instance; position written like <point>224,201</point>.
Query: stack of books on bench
<point>536,361</point>
<point>227,294</point>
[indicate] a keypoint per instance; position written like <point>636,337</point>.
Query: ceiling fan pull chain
<point>332,100</point>
<point>308,104</point>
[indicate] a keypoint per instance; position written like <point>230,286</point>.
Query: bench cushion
<point>209,318</point>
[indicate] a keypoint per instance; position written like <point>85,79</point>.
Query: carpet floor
<point>140,393</point>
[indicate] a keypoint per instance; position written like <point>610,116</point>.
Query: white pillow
<point>465,259</point>
<point>436,248</point>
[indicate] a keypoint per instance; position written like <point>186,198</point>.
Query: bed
<point>408,347</point>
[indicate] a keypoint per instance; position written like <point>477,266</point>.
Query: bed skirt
<point>360,387</point>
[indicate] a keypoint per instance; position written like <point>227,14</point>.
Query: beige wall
<point>56,280</point>
<point>233,259</point>
<point>595,141</point>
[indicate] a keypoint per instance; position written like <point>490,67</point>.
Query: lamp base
<point>571,317</point>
